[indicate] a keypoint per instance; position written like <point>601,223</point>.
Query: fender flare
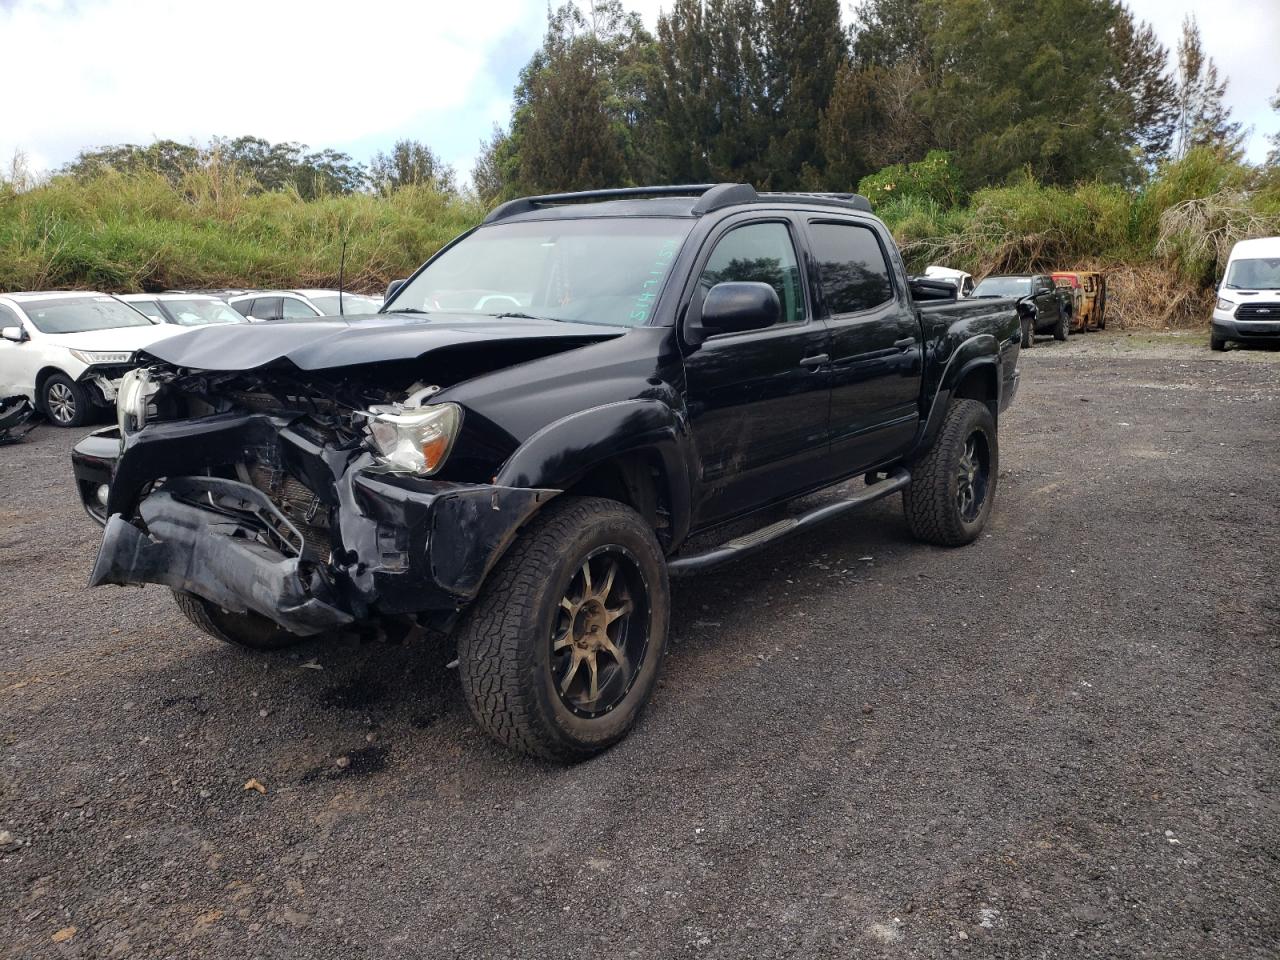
<point>980,352</point>
<point>563,451</point>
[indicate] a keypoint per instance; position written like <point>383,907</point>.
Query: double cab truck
<point>580,398</point>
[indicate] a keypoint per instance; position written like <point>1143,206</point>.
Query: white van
<point>1248,307</point>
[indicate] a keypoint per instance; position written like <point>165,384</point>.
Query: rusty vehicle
<point>1088,298</point>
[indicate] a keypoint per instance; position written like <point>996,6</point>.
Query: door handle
<point>906,343</point>
<point>816,360</point>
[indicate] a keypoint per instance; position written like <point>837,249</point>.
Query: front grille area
<point>1258,311</point>
<point>303,508</point>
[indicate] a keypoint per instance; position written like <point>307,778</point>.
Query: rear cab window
<point>853,272</point>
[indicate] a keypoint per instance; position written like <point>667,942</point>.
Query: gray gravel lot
<point>1061,741</point>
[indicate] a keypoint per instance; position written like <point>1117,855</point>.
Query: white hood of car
<point>115,338</point>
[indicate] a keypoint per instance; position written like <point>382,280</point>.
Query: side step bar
<point>751,542</point>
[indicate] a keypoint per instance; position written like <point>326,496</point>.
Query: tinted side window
<point>8,318</point>
<point>851,267</point>
<point>243,307</point>
<point>267,308</point>
<point>762,253</point>
<point>296,309</point>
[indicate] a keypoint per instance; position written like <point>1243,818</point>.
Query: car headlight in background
<point>133,399</point>
<point>1225,305</point>
<point>413,440</point>
<point>102,356</point>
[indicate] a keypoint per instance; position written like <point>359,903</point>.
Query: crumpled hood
<point>346,341</point>
<point>114,338</point>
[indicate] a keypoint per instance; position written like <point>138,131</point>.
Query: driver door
<point>18,361</point>
<point>758,400</point>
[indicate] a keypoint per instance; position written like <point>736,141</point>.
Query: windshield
<point>352,304</point>
<point>196,313</point>
<point>148,307</point>
<point>1262,273</point>
<point>589,271</point>
<point>79,314</point>
<point>1003,287</point>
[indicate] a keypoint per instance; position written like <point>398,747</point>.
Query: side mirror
<point>392,287</point>
<point>735,307</point>
<point>16,334</point>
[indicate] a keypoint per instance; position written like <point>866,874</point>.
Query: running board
<point>757,539</point>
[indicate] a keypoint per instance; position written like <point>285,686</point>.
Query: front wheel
<point>1028,332</point>
<point>66,403</point>
<point>561,651</point>
<point>1217,343</point>
<point>954,485</point>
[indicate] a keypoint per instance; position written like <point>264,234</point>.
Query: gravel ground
<point>1061,741</point>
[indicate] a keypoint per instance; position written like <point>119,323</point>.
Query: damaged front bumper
<point>392,544</point>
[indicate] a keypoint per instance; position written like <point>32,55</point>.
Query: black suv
<point>584,395</point>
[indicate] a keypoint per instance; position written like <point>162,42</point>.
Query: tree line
<point>784,95</point>
<point>781,94</point>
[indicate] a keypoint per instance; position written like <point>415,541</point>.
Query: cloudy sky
<point>356,76</point>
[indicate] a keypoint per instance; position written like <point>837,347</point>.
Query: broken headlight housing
<point>413,439</point>
<point>133,399</point>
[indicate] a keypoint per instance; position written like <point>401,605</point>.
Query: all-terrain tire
<point>248,630</point>
<point>1028,332</point>
<point>1217,343</point>
<point>932,501</point>
<point>64,402</point>
<point>506,660</point>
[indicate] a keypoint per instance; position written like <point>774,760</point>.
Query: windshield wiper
<point>517,315</point>
<point>406,310</point>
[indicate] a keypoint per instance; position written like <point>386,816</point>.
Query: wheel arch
<point>635,451</point>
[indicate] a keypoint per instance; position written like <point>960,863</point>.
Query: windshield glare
<point>78,315</point>
<point>196,313</point>
<point>352,304</point>
<point>1262,273</point>
<point>1003,287</point>
<point>587,271</point>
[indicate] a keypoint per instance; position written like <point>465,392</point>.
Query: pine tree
<point>1143,77</point>
<point>1204,119</point>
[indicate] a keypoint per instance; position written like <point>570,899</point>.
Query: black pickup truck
<point>1042,306</point>
<point>583,396</point>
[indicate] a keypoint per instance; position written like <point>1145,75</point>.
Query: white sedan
<point>66,352</point>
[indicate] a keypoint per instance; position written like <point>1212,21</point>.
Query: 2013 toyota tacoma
<point>583,396</point>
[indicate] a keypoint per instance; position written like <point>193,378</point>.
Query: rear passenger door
<point>876,345</point>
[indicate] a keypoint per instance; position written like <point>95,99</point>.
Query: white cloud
<point>330,73</point>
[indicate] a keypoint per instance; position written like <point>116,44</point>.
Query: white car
<point>184,309</point>
<point>302,304</point>
<point>66,352</point>
<point>1248,306</point>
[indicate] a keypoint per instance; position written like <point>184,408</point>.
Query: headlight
<point>101,356</point>
<point>132,398</point>
<point>1225,304</point>
<point>414,441</point>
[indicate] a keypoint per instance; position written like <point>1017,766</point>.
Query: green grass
<point>141,233</point>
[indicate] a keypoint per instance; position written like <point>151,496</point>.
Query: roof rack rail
<point>711,196</point>
<point>526,204</point>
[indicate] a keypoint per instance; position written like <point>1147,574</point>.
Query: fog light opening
<point>103,492</point>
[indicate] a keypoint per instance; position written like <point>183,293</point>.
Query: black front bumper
<point>399,544</point>
<point>1247,331</point>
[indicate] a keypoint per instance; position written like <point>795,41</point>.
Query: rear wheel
<point>66,403</point>
<point>562,649</point>
<point>953,487</point>
<point>249,630</point>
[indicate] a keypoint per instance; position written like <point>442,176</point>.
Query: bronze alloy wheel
<point>601,632</point>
